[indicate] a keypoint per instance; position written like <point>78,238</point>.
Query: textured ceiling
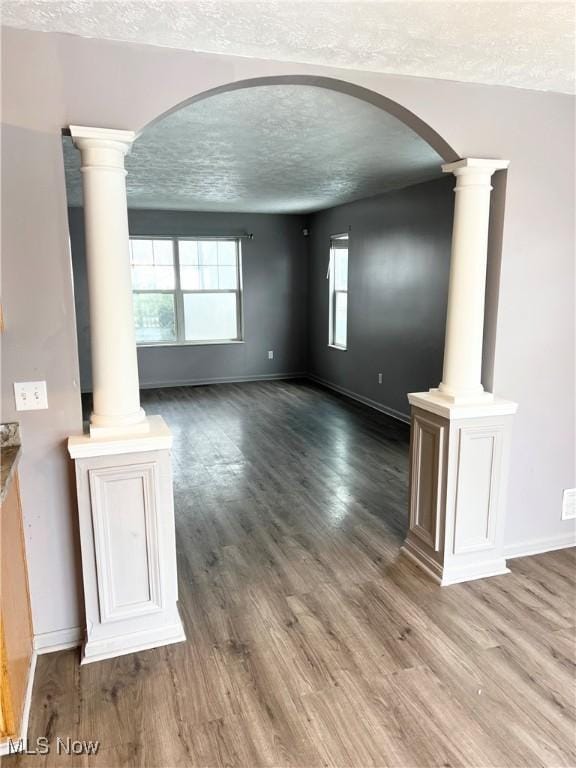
<point>269,149</point>
<point>515,43</point>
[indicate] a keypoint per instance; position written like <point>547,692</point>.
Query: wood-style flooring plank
<point>311,641</point>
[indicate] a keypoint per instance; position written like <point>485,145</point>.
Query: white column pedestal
<point>126,512</point>
<point>458,471</point>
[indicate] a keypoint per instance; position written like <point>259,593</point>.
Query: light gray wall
<point>39,342</point>
<point>50,81</point>
<point>275,276</point>
<point>398,267</point>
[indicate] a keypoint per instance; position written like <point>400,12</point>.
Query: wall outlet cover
<point>30,395</point>
<point>569,504</point>
<point>271,354</point>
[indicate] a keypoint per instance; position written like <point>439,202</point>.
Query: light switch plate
<point>30,395</point>
<point>569,504</point>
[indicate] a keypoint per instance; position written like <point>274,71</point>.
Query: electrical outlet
<point>379,378</point>
<point>569,504</point>
<point>271,354</point>
<point>30,395</point>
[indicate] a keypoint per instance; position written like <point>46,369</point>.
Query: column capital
<point>475,165</point>
<point>102,148</point>
<point>101,136</point>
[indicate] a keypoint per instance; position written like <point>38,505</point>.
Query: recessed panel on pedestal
<point>477,488</point>
<point>426,473</point>
<point>125,519</point>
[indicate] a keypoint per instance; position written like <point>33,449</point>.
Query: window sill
<point>162,344</point>
<point>335,346</point>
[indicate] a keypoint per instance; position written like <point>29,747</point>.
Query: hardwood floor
<point>311,641</point>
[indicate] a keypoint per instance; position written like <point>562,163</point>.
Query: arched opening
<point>294,162</point>
<point>412,121</point>
<point>289,249</point>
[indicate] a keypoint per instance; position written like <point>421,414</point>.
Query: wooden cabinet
<point>16,639</point>
<point>7,725</point>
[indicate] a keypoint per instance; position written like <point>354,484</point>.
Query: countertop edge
<point>9,459</point>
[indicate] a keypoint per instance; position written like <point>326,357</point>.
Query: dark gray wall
<point>398,268</point>
<point>275,274</point>
<point>398,283</point>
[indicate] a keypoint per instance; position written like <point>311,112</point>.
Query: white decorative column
<point>460,434</point>
<point>123,464</point>
<point>116,396</point>
<point>461,378</point>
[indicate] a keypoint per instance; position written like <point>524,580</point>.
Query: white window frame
<point>333,292</point>
<point>178,292</point>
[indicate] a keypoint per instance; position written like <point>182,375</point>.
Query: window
<point>186,290</point>
<point>338,275</point>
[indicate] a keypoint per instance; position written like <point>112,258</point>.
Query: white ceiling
<point>269,149</point>
<point>514,43</point>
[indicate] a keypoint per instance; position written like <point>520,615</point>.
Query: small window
<point>186,290</point>
<point>338,277</point>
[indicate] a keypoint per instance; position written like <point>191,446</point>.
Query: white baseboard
<point>404,417</point>
<point>220,380</point>
<point>19,744</point>
<point>110,648</point>
<point>452,574</point>
<point>421,559</point>
<point>474,572</point>
<point>28,697</point>
<point>59,640</point>
<point>540,546</point>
